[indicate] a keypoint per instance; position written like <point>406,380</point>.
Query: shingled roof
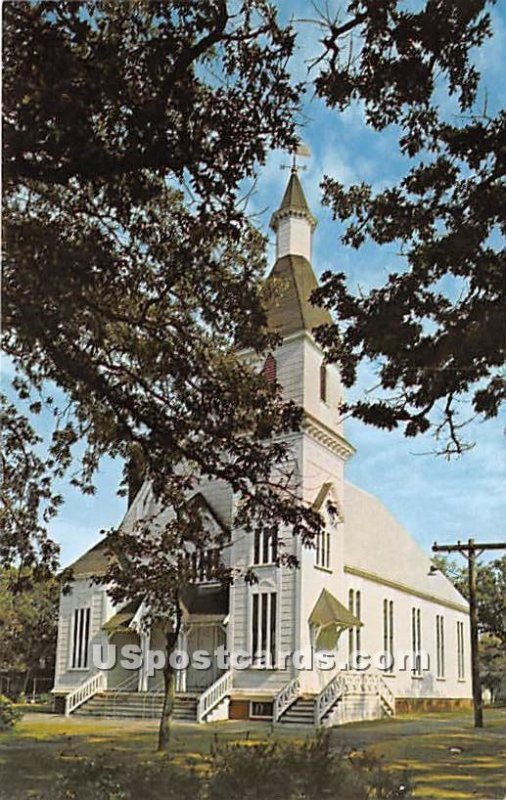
<point>288,289</point>
<point>93,563</point>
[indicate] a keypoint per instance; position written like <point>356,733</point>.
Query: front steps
<point>349,708</point>
<point>350,698</point>
<point>300,713</point>
<point>137,705</point>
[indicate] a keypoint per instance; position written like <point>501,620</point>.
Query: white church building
<point>362,629</point>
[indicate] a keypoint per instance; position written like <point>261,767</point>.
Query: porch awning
<point>329,618</point>
<point>121,621</point>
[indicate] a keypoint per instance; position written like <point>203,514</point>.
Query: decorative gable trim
<point>328,492</point>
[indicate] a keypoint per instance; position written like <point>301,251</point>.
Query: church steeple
<point>289,308</point>
<point>293,222</point>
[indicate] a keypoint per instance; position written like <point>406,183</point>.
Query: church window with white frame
<point>354,634</point>
<point>265,547</point>
<point>264,627</point>
<point>388,634</point>
<point>80,638</point>
<point>322,544</point>
<point>461,671</point>
<point>416,640</point>
<point>323,383</point>
<point>440,646</point>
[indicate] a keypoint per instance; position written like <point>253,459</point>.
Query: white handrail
<point>83,692</point>
<point>214,695</point>
<point>386,695</point>
<point>285,698</point>
<point>345,683</point>
<point>329,695</point>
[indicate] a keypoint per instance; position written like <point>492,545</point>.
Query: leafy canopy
<point>131,273</point>
<point>434,331</point>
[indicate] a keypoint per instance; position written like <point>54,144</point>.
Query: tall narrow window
<point>354,634</point>
<point>358,613</point>
<point>388,634</point>
<point>440,646</point>
<point>416,635</point>
<point>264,626</point>
<point>265,547</point>
<point>351,632</point>
<point>270,369</point>
<point>323,383</point>
<point>322,549</point>
<point>80,638</point>
<point>461,671</point>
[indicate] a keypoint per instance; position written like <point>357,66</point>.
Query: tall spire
<point>293,222</point>
<point>292,280</point>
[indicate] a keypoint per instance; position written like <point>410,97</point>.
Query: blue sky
<point>431,497</point>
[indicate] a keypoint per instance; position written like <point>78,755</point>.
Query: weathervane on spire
<point>301,150</point>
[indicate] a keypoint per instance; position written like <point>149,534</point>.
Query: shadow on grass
<point>42,747</point>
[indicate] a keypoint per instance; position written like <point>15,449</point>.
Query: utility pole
<point>471,551</point>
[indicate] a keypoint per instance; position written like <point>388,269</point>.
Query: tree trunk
<point>168,702</point>
<point>169,680</point>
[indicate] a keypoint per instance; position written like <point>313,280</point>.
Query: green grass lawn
<point>421,744</point>
<point>43,746</point>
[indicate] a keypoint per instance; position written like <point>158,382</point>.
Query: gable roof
<point>95,562</point>
<point>328,492</point>
<point>377,547</point>
<point>201,503</point>
<point>122,619</point>
<point>289,286</point>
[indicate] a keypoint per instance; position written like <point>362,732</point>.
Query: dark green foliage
<point>491,604</point>
<point>90,780</point>
<point>310,771</point>
<point>28,624</point>
<point>492,664</point>
<point>490,591</point>
<point>131,277</point>
<point>434,332</point>
<point>9,714</point>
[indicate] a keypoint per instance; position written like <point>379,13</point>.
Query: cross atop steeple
<point>300,150</point>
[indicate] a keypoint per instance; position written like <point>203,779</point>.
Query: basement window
<point>260,710</point>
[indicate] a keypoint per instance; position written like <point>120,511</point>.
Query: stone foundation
<point>408,705</point>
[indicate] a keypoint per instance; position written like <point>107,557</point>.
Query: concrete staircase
<point>137,705</point>
<point>301,712</point>
<point>346,698</point>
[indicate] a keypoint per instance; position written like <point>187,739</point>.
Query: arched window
<point>269,370</point>
<point>323,383</point>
